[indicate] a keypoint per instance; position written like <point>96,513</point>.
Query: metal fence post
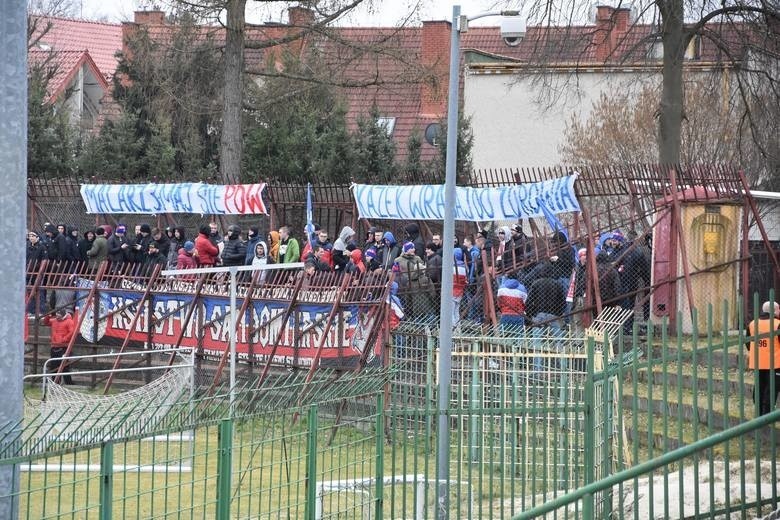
<point>13,208</point>
<point>590,436</point>
<point>106,480</point>
<point>224,469</point>
<point>380,457</point>
<point>310,512</point>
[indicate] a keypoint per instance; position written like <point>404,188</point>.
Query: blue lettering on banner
<point>173,198</point>
<point>426,202</point>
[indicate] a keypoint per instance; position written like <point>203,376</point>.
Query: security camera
<point>512,29</point>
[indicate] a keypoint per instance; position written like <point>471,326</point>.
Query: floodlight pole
<point>13,214</point>
<point>459,23</point>
<point>445,309</point>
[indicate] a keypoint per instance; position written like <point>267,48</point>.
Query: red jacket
<point>62,330</point>
<point>207,252</point>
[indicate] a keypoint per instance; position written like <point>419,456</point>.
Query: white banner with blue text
<point>426,202</point>
<point>188,197</point>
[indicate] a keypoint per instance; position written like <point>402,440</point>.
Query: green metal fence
<point>542,422</point>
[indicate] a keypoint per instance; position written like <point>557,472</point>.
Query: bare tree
<point>743,35</point>
<point>621,129</point>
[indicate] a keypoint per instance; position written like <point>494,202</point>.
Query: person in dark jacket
<point>433,263</point>
<point>609,279</point>
<point>59,248</point>
<point>389,252</point>
<point>545,305</point>
<point>36,253</point>
<point>234,252</point>
<point>177,237</point>
<point>119,246</point>
<point>412,234</point>
<point>85,243</point>
<point>252,238</point>
<point>372,265</point>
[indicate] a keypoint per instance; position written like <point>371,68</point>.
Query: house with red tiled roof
<point>79,57</point>
<point>517,119</point>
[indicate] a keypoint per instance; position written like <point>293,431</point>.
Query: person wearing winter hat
<point>372,265</point>
<point>252,238</point>
<point>234,249</point>
<point>119,247</point>
<point>410,273</point>
<point>186,259</point>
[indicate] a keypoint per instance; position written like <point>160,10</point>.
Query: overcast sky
<point>382,12</point>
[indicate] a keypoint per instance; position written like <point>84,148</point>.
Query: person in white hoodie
<point>261,259</point>
<point>340,258</point>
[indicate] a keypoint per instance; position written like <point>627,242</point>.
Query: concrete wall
<point>512,128</point>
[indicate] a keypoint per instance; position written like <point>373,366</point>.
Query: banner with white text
<point>188,197</point>
<point>426,202</point>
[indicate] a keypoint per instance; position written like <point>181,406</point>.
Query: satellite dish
<point>432,133</point>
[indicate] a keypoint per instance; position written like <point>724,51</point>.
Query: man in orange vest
<point>764,354</point>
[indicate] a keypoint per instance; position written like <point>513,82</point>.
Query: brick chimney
<point>155,17</point>
<point>611,27</point>
<point>300,16</point>
<point>436,61</point>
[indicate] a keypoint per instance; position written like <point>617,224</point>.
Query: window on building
<point>388,123</point>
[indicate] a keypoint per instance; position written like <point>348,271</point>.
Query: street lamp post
<point>459,23</point>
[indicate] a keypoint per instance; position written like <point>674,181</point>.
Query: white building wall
<point>512,128</point>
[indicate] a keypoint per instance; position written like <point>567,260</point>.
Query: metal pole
<point>13,214</point>
<point>445,332</point>
<point>233,333</point>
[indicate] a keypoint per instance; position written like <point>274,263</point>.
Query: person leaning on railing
<point>760,347</point>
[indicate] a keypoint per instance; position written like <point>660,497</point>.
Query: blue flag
<point>309,219</point>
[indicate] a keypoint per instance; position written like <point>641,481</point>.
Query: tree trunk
<point>671,109</point>
<point>231,141</point>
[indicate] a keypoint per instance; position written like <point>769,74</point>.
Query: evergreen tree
<point>51,142</point>
<point>464,169</point>
<point>169,94</point>
<point>374,150</point>
<point>413,166</point>
<point>302,138</point>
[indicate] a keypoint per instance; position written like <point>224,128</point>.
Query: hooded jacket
<point>340,258</point>
<point>62,330</point>
<point>511,298</point>
<point>273,246</point>
<point>413,232</point>
<point>389,252</point>
<point>356,264</point>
